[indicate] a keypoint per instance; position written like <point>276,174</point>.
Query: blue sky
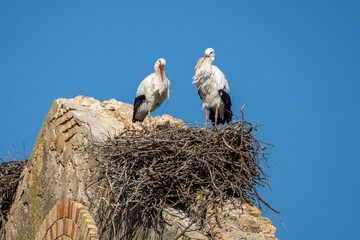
<point>296,64</point>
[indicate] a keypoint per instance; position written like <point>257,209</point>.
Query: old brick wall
<point>69,220</point>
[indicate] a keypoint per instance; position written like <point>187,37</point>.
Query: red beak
<point>162,71</point>
<point>204,59</point>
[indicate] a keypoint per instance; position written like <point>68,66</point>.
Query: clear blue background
<point>296,63</point>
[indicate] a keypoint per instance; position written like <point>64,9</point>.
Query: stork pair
<point>210,82</point>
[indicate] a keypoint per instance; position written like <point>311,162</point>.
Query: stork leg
<point>149,117</point>
<point>216,114</point>
<point>206,117</point>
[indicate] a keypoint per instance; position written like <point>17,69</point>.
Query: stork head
<point>209,54</point>
<point>159,66</point>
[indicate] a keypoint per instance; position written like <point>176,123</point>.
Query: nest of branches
<point>146,171</point>
<point>10,172</point>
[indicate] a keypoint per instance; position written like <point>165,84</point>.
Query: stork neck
<point>206,64</point>
<point>158,74</point>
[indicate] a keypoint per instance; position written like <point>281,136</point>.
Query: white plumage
<point>213,89</point>
<point>151,93</point>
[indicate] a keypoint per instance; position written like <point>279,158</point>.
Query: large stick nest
<point>177,166</point>
<point>10,171</point>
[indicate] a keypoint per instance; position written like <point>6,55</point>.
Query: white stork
<point>151,93</point>
<point>213,89</point>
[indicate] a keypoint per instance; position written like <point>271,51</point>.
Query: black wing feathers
<point>225,97</point>
<point>199,94</point>
<point>227,101</point>
<point>137,102</point>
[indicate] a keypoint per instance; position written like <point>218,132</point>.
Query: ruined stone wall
<point>59,170</point>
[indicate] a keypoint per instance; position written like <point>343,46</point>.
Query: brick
<point>92,225</point>
<point>83,228</point>
<point>93,233</point>
<point>72,230</point>
<point>65,208</point>
<point>76,234</point>
<point>88,219</point>
<point>60,227</point>
<point>87,235</point>
<point>88,222</point>
<point>74,210</point>
<point>70,211</point>
<point>63,229</point>
<point>51,233</point>
<point>82,215</point>
<point>60,210</point>
<point>69,226</point>
<point>77,217</point>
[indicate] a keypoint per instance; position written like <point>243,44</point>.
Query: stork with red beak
<point>151,93</point>
<point>213,89</point>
